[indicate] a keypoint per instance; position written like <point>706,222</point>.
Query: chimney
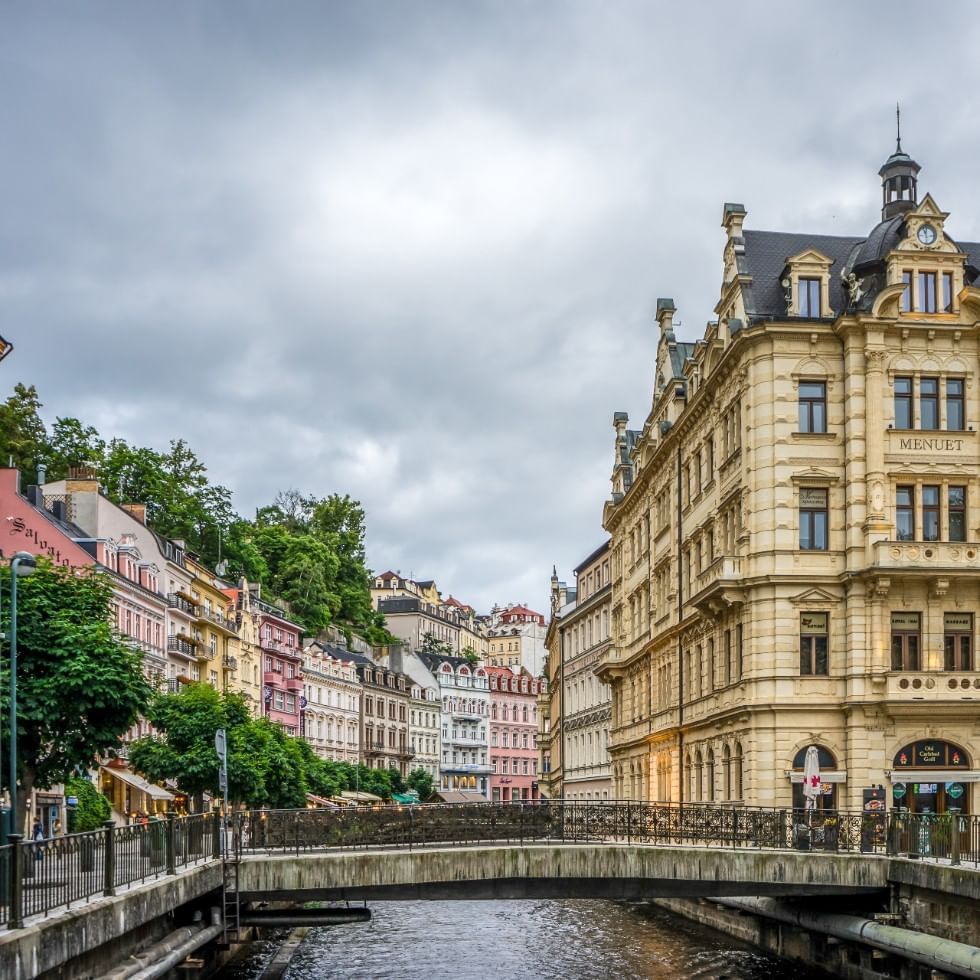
<point>665,314</point>
<point>620,420</point>
<point>732,218</point>
<point>58,510</point>
<point>137,510</point>
<point>42,472</point>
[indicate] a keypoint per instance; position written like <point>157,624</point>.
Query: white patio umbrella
<point>811,777</point>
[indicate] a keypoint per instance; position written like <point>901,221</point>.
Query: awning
<point>404,797</point>
<point>320,801</point>
<point>358,797</point>
<point>138,782</point>
<point>935,776</point>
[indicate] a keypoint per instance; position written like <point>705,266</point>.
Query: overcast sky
<point>411,251</point>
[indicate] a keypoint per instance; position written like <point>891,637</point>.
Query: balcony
<point>468,715</point>
<point>176,601</point>
<point>482,769</point>
<point>274,646</point>
<point>215,618</point>
<point>229,662</point>
<point>181,646</point>
<point>926,556</point>
<point>954,685</point>
<point>718,586</point>
<point>294,684</point>
<point>273,677</point>
<point>205,652</point>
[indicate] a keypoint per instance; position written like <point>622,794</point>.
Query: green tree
<point>471,656</point>
<point>421,782</point>
<point>92,809</point>
<point>23,437</point>
<point>431,644</point>
<point>182,747</point>
<point>79,687</point>
<point>73,444</point>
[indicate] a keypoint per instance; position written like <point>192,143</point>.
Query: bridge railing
<point>60,872</point>
<point>954,837</point>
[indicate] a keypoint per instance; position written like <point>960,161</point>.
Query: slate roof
<point>680,351</point>
<point>765,258</point>
<point>766,253</point>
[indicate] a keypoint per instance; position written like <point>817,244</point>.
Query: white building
<point>331,714</point>
<point>465,695</point>
<point>516,639</point>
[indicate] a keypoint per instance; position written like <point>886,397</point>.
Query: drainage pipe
<point>940,954</point>
<point>162,957</point>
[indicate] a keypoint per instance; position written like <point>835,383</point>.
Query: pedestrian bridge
<point>551,869</point>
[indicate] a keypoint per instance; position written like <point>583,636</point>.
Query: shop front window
<point>827,800</point>
<point>924,777</point>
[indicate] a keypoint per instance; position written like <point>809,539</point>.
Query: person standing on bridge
<point>37,835</point>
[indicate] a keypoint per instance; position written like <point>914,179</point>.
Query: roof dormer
<point>806,283</point>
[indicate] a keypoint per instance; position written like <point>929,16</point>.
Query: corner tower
<point>899,179</point>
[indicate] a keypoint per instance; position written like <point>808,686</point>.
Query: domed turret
<point>899,183</point>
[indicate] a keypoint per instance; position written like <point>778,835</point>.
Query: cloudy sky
<point>411,251</point>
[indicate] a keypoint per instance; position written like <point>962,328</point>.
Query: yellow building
<point>248,677</point>
<point>796,526</point>
<point>217,649</point>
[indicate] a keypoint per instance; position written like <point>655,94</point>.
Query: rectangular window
<point>813,644</point>
<point>813,519</point>
<point>947,292</point>
<point>956,509</point>
<point>905,641</point>
<point>955,414</point>
<point>958,641</point>
<point>927,292</point>
<point>813,406</point>
<point>903,403</point>
<point>907,294</point>
<point>739,652</point>
<point>905,513</point>
<point>931,517</point>
<point>728,656</point>
<point>929,403</point>
<point>809,293</point>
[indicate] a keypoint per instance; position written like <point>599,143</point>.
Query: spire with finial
<point>899,177</point>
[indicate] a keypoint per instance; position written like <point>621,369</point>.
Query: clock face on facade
<point>926,234</point>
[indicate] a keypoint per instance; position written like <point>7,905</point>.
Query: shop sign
<point>71,801</point>
<point>905,621</point>
<point>959,622</point>
<point>928,753</point>
<point>874,799</point>
<point>926,789</point>
<point>954,790</point>
<point>898,790</point>
<point>811,497</point>
<point>813,623</point>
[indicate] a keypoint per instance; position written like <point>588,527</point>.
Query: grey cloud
<point>410,251</point>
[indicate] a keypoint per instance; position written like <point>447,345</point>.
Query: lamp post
<point>23,563</point>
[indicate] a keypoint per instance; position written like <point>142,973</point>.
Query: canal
<point>563,940</point>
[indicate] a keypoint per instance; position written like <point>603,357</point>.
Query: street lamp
<point>23,563</point>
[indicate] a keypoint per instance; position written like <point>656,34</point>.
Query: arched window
<point>688,777</point>
<point>726,766</point>
<point>737,772</point>
<point>711,774</point>
<point>698,793</point>
<point>827,800</point>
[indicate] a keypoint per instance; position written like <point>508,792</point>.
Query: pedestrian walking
<point>37,835</point>
<point>56,831</point>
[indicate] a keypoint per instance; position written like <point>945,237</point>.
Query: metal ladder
<point>230,904</point>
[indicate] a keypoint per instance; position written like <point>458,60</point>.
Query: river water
<point>514,940</point>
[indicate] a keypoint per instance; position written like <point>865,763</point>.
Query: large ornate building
<point>796,526</point>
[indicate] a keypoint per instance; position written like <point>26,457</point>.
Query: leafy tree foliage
<point>266,767</point>
<point>421,782</point>
<point>432,644</point>
<point>93,808</point>
<point>79,687</point>
<point>304,550</point>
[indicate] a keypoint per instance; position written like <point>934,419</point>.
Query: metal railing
<point>954,837</point>
<point>37,877</point>
<point>60,872</point>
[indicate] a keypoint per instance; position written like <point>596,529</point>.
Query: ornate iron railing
<point>952,837</point>
<point>37,877</point>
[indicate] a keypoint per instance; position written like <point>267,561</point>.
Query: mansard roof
<point>766,255</point>
<point>767,252</point>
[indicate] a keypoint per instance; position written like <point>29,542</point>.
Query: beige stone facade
<point>577,721</point>
<point>796,527</point>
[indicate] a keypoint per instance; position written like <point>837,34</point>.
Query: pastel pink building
<point>513,735</point>
<point>281,648</point>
